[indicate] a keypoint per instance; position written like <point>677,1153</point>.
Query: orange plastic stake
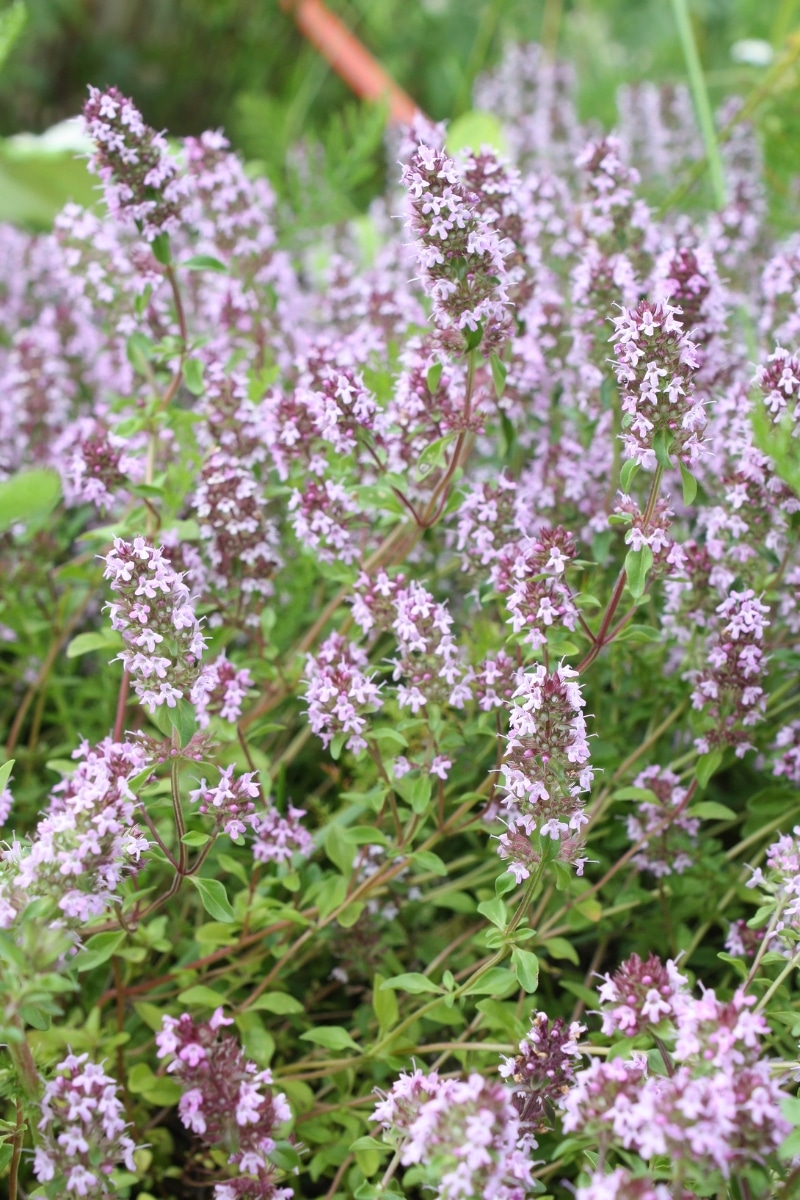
<point>349,58</point>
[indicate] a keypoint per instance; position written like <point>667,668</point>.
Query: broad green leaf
<point>429,861</point>
<point>214,898</point>
<point>689,486</point>
<point>499,981</point>
<point>558,947</point>
<point>204,262</point>
<point>202,996</point>
<point>662,442</point>
<point>193,376</point>
<point>412,982</point>
<point>495,911</point>
<point>637,565</point>
<point>194,839</point>
<point>5,773</point>
<point>526,968</point>
<point>332,1037</point>
<point>712,810</point>
<point>627,475</point>
<point>277,1002</point>
<point>475,129</point>
<point>384,1003</point>
<point>12,23</point>
<point>707,765</point>
<point>434,375</point>
<point>97,950</point>
<point>28,496</point>
<point>499,374</point>
<point>86,643</point>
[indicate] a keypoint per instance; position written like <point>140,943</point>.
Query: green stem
<point>697,83</point>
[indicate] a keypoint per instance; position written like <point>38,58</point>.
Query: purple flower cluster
<point>670,835</point>
<point>780,882</point>
<point>545,767</point>
<point>655,368</point>
<point>82,1130</point>
<point>717,1108</point>
<point>227,1102</point>
<point>729,691</point>
<point>465,1134</point>
<point>142,183</point>
<point>85,844</point>
<point>340,693</point>
<point>460,253</point>
<point>154,614</point>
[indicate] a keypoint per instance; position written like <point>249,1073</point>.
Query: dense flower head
<point>655,367</point>
<point>786,752</point>
<point>546,763</point>
<point>464,1133</point>
<point>142,183</point>
<point>220,690</point>
<point>611,211</point>
<point>226,1101</point>
<point>640,994</point>
<point>531,572</point>
<point>85,843</point>
<point>340,693</point>
<point>670,835</point>
<point>461,254</point>
<point>779,380</point>
<point>543,1069</point>
<point>620,1184</point>
<point>154,614</point>
<point>729,690</point>
<point>82,1130</point>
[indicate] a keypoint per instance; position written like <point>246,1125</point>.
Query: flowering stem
<point>21,1057</point>
<point>438,500</point>
<point>16,1153</point>
<point>122,701</point>
<point>702,106</point>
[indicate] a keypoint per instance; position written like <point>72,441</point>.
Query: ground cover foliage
<point>401,631</point>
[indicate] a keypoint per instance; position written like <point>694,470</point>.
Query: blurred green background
<point>243,66</point>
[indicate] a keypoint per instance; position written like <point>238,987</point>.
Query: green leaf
<point>499,374</point>
<point>202,996</point>
<point>434,375</point>
<point>86,643</point>
<point>161,249</point>
<point>475,129</point>
<point>350,914</point>
<point>193,376</point>
<point>495,911</point>
<point>645,795</point>
<point>412,982</point>
<point>429,862</point>
<point>28,496</point>
<point>150,1014</point>
<point>181,719</point>
<point>204,262</point>
<point>34,1017</point>
<point>526,968</point>
<point>662,441</point>
<point>155,1089</point>
<point>498,982</point>
<point>277,1002</point>
<point>630,469</point>
<point>332,1037</point>
<point>97,950</point>
<point>5,772</point>
<point>689,485</point>
<point>707,765</point>
<point>391,737</point>
<point>472,337</point>
<point>637,565</point>
<point>214,898</point>
<point>370,1143</point>
<point>712,810</point>
<point>339,850</point>
<point>384,1004</point>
<point>194,839</point>
<point>139,350</point>
<point>558,947</point>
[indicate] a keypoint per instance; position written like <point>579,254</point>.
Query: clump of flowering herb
<point>153,612</point>
<point>465,1134</point>
<point>340,693</point>
<point>82,1134</point>
<point>142,183</point>
<point>227,1102</point>
<point>640,994</point>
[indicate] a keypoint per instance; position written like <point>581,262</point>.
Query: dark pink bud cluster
<point>154,614</point>
<point>82,1130</point>
<point>640,994</point>
<point>461,255</point>
<point>465,1134</point>
<point>671,846</point>
<point>543,1070</point>
<point>729,692</point>
<point>142,183</point>
<point>227,1102</point>
<point>655,368</point>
